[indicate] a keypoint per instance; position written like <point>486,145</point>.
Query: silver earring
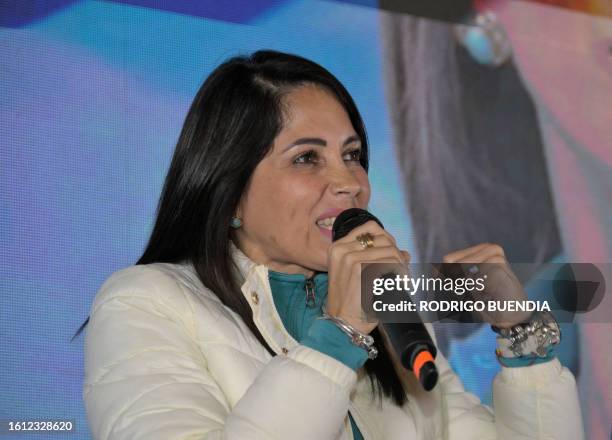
<point>236,222</point>
<point>485,40</point>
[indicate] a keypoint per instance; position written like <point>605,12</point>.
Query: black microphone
<point>411,341</point>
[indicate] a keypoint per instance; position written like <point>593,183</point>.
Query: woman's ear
<point>238,210</point>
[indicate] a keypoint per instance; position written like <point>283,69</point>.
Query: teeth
<point>327,223</point>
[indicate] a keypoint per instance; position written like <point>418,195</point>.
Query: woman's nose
<point>343,181</point>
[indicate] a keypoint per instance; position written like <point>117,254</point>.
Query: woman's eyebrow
<point>319,141</point>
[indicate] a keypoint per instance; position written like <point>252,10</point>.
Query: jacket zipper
<point>310,292</point>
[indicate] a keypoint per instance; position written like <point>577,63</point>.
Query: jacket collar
<point>244,264</point>
<point>257,291</point>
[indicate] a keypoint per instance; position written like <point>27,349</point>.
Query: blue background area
<point>93,97</point>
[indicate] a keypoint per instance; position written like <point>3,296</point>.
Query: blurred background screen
<point>472,139</point>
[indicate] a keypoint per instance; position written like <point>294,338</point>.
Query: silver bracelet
<point>359,339</point>
<point>531,338</point>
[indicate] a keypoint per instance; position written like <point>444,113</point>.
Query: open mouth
<point>326,223</point>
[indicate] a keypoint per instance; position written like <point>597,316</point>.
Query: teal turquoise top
<point>299,319</point>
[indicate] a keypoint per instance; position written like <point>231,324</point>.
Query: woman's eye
<point>353,155</point>
<point>307,157</point>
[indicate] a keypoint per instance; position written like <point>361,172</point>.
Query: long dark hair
<point>230,127</point>
<point>469,149</point>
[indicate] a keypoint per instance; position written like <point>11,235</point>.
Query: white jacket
<point>165,359</point>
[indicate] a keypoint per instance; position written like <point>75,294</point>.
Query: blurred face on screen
<point>566,58</point>
<point>311,174</point>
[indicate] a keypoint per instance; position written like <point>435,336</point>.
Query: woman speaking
<point>236,322</point>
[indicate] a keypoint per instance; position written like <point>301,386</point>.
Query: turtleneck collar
<point>298,300</point>
<point>297,277</point>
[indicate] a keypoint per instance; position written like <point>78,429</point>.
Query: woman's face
<point>311,174</point>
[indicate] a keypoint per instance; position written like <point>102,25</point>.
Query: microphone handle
<point>416,351</point>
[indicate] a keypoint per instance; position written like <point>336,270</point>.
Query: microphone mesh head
<point>349,219</point>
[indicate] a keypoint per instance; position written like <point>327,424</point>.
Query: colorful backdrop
<point>93,95</point>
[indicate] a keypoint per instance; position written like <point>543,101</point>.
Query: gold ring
<point>366,240</point>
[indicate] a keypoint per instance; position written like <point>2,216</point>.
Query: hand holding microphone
<point>359,237</point>
<point>366,243</point>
